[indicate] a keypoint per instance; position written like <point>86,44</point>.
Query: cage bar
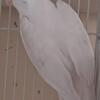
<point>7,55</point>
<point>78,10</point>
<point>0,6</point>
<point>97,54</point>
<point>69,2</point>
<point>88,13</point>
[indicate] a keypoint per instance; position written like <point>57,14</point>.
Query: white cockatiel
<point>58,45</point>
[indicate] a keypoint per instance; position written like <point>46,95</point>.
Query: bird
<point>58,46</point>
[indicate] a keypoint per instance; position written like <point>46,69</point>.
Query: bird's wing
<point>58,45</point>
<point>57,64</point>
<point>46,58</point>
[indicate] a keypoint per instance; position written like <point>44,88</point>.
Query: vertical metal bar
<point>24,83</point>
<point>88,13</point>
<point>78,10</point>
<point>0,6</point>
<point>7,55</point>
<point>97,54</point>
<point>15,70</point>
<point>69,2</point>
<point>34,85</point>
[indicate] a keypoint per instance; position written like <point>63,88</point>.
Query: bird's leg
<point>8,2</point>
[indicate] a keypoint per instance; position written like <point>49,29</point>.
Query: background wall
<point>93,5</point>
<point>93,8</point>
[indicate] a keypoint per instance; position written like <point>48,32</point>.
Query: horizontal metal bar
<point>91,33</point>
<point>11,29</point>
<point>17,29</point>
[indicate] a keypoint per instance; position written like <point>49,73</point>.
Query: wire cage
<point>18,78</point>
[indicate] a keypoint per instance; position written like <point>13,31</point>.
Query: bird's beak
<point>8,3</point>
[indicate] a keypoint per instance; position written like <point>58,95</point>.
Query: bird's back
<point>60,24</point>
<point>45,26</point>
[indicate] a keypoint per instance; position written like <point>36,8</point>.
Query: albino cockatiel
<point>59,47</point>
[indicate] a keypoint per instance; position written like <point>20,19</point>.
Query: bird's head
<point>8,2</point>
